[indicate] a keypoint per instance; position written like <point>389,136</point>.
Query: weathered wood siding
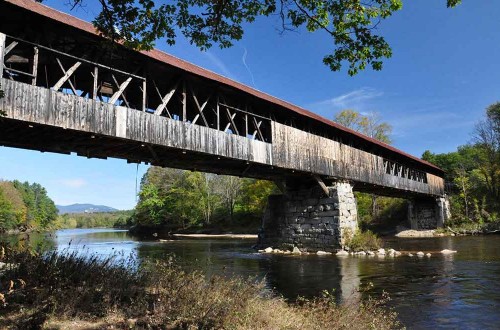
<point>291,148</point>
<point>299,150</point>
<point>43,106</point>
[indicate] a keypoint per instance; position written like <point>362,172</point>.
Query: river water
<point>459,291</point>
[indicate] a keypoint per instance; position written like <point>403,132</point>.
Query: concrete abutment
<point>428,213</point>
<point>310,220</point>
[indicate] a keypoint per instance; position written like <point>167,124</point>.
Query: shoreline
<point>240,236</point>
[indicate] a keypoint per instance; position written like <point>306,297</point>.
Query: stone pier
<point>310,220</point>
<point>428,213</point>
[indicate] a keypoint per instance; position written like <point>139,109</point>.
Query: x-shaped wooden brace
<point>66,76</point>
<point>119,92</point>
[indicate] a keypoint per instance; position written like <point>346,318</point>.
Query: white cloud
<point>220,65</point>
<point>353,99</point>
<point>73,183</point>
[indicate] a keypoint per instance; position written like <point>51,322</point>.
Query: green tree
<point>487,137</point>
<point>370,125</point>
<point>351,24</point>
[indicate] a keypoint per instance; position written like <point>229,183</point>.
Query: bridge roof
<point>158,55</point>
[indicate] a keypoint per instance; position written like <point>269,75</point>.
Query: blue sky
<point>444,72</point>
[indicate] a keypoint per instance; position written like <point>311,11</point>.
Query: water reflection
<point>455,291</point>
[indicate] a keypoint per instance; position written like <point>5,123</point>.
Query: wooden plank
<point>120,91</point>
<point>66,76</point>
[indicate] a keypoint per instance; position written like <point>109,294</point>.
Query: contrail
<point>244,60</point>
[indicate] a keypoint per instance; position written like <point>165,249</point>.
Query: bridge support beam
<point>310,220</point>
<point>428,213</point>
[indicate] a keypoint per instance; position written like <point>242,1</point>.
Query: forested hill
<point>24,205</point>
<point>84,208</point>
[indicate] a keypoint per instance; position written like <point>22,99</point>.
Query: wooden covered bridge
<point>68,90</point>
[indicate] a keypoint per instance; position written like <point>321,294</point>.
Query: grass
<point>59,291</point>
<point>362,241</point>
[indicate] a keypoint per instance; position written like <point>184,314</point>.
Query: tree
<point>370,125</point>
<point>351,24</point>
<point>229,189</point>
<point>487,137</point>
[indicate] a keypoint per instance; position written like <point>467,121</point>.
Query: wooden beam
<point>322,185</point>
<point>66,76</point>
<point>257,129</point>
<point>281,186</point>
<point>120,90</point>
<point>165,100</point>
<point>200,108</point>
<point>184,101</point>
<point>10,47</point>
<point>218,113</point>
<point>2,52</point>
<point>35,66</point>
<point>231,121</point>
<point>96,77</point>
<point>144,95</point>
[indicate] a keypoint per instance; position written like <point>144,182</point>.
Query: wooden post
<point>35,65</point>
<point>144,95</point>
<point>94,89</point>
<point>184,101</point>
<point>2,52</point>
<point>218,114</point>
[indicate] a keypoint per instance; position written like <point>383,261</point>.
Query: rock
<point>342,253</point>
<point>428,255</point>
<point>268,250</point>
<point>410,254</point>
<point>323,253</point>
<point>276,251</point>
<point>361,253</point>
<point>296,250</point>
<point>261,251</point>
<point>370,253</point>
<point>397,253</point>
<point>420,254</point>
<point>381,252</point>
<point>446,251</point>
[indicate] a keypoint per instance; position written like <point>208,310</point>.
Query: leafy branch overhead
<point>351,24</point>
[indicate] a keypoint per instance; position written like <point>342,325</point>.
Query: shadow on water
<point>453,291</point>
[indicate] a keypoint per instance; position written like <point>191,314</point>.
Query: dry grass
<point>85,292</point>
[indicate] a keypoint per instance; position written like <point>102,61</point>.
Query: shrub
<point>362,241</point>
<point>71,290</point>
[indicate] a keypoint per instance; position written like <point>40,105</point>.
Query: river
<point>458,291</point>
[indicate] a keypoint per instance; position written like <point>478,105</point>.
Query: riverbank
<point>71,291</point>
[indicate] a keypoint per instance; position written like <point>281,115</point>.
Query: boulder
<point>410,254</point>
<point>420,254</point>
<point>370,253</point>
<point>381,252</point>
<point>428,255</point>
<point>342,253</point>
<point>296,250</point>
<point>446,251</point>
<point>268,250</point>
<point>323,253</point>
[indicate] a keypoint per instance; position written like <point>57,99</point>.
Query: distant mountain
<point>84,208</point>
